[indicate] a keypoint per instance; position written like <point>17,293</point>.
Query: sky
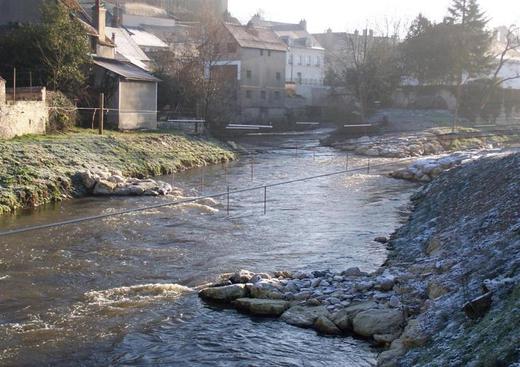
<point>348,15</point>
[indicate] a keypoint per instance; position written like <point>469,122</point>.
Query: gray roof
<point>125,69</point>
<point>256,37</point>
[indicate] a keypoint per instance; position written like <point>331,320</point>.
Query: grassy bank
<point>36,170</point>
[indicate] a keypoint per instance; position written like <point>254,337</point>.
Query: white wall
<point>23,117</point>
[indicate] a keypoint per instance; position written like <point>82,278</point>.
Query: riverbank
<point>448,293</point>
<point>37,170</point>
<point>416,144</point>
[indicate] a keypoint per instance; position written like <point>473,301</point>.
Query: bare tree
<point>510,45</point>
<point>192,72</point>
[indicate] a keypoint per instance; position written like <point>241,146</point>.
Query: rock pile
<point>431,142</point>
<point>425,170</point>
<point>349,302</point>
<point>102,182</point>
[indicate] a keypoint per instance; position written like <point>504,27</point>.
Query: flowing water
<point>119,291</point>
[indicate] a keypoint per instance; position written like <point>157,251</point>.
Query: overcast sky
<point>348,15</point>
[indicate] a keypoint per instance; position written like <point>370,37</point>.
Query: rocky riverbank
<point>430,142</point>
<point>449,294</point>
<point>36,170</point>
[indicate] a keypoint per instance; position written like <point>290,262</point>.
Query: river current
<point>119,291</point>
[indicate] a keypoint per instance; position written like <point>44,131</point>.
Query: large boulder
<point>104,187</point>
<point>378,321</point>
<point>261,307</point>
<point>343,319</point>
<point>323,325</point>
<point>390,357</point>
<point>304,316</point>
<point>242,276</point>
<point>224,294</point>
<point>414,335</point>
<point>263,291</point>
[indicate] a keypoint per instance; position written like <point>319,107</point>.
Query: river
<point>118,291</point>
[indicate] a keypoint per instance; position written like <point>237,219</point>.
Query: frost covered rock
<point>377,321</point>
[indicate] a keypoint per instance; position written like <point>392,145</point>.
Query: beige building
<point>305,69</point>
<point>258,60</point>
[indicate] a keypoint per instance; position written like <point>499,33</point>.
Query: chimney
<point>303,24</point>
<point>117,17</point>
<point>113,38</point>
<point>371,33</point>
<point>365,32</point>
<point>99,16</point>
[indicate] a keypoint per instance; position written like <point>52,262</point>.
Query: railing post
<point>101,112</point>
<point>368,166</point>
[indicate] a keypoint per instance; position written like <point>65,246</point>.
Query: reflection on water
<point>118,290</point>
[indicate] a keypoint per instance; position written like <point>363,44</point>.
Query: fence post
<point>227,201</point>
<point>14,84</point>
<point>101,112</point>
<point>346,162</point>
<point>253,168</point>
<point>265,200</point>
<point>368,166</point>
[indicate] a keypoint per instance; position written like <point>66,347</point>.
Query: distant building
<point>341,46</point>
<point>305,68</point>
<point>257,58</point>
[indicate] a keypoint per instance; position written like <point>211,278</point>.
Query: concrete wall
<point>23,117</point>
<point>138,105</point>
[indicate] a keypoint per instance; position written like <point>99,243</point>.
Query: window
<point>300,60</point>
<point>278,76</point>
<point>231,47</point>
<point>299,78</point>
<point>263,95</point>
<point>248,94</point>
<point>269,53</point>
<point>249,74</point>
<point>277,95</point>
<point>261,52</point>
<point>308,60</point>
<point>318,61</point>
<point>291,58</point>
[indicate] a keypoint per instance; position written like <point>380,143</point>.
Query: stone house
<point>256,59</point>
<point>305,69</point>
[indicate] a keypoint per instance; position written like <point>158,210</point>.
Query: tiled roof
<point>124,69</point>
<point>256,37</point>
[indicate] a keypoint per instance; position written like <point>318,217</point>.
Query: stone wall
<point>22,117</point>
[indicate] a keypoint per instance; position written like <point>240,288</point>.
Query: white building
<point>305,69</point>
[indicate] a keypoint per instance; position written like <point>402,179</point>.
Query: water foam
<point>136,295</point>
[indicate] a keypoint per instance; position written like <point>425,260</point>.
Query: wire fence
<point>225,194</point>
